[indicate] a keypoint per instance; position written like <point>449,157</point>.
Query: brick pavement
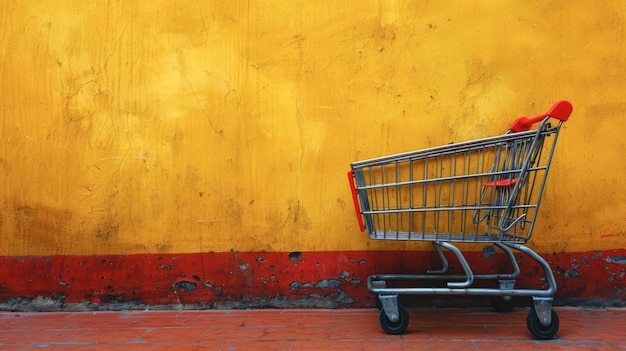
<point>294,330</point>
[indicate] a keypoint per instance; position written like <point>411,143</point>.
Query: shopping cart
<point>484,191</point>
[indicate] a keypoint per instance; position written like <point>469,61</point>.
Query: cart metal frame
<point>484,191</point>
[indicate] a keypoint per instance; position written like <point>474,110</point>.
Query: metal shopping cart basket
<point>484,191</point>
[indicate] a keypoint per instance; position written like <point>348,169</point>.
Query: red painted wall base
<point>277,279</point>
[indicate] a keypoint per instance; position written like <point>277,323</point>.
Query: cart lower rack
<point>482,191</point>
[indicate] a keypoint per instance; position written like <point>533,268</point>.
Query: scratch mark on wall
<point>121,158</point>
<point>211,219</point>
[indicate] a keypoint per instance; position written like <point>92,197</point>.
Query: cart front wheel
<point>397,327</point>
<point>540,331</point>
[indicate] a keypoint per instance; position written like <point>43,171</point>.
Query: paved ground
<point>293,330</point>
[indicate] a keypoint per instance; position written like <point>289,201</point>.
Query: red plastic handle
<point>561,111</point>
<point>355,198</point>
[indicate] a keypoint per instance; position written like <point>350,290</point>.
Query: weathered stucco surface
<point>142,127</point>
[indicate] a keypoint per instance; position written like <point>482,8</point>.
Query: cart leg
<point>469,275</point>
<point>444,261</point>
<point>511,256</point>
<point>549,293</point>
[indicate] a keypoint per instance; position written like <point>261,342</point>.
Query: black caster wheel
<point>540,331</point>
<point>397,327</point>
<point>502,305</point>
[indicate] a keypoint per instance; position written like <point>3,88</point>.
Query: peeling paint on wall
<point>317,279</point>
<point>616,259</point>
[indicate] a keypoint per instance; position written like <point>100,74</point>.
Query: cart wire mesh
<point>485,190</point>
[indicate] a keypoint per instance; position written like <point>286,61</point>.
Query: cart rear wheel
<point>540,331</point>
<point>501,304</point>
<point>397,327</point>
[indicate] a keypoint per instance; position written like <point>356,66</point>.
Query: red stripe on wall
<point>275,279</point>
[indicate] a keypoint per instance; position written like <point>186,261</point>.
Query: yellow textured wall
<point>183,126</point>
